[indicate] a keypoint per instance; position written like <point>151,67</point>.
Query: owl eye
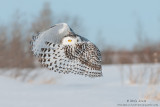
<point>69,40</point>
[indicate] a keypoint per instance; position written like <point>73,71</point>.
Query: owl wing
<point>87,58</point>
<point>54,35</point>
<point>83,59</point>
<point>53,57</point>
<point>89,55</point>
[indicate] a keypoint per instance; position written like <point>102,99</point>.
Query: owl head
<point>71,39</point>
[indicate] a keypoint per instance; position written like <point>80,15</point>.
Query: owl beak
<point>69,40</point>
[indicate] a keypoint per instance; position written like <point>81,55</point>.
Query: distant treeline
<point>146,54</point>
<point>15,49</point>
<point>15,53</point>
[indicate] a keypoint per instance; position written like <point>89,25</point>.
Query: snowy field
<point>43,88</point>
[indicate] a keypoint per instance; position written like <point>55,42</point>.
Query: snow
<point>70,90</point>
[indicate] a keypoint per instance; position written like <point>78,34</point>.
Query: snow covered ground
<point>111,90</point>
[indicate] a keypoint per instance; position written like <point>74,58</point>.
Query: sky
<point>117,20</point>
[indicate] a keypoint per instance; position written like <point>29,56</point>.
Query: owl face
<point>70,40</point>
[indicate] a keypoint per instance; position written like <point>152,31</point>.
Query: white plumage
<point>63,51</point>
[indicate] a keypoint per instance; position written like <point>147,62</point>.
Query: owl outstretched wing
<point>54,35</point>
<point>89,55</point>
<point>82,59</point>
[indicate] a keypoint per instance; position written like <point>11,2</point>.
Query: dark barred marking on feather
<point>40,60</point>
<point>54,58</point>
<point>49,49</point>
<point>43,49</point>
<point>46,43</point>
<point>43,60</point>
<point>55,62</point>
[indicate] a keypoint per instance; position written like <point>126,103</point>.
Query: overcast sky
<point>117,19</point>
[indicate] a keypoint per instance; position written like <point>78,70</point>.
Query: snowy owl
<point>63,51</point>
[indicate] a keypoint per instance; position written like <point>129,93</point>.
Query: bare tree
<point>3,45</point>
